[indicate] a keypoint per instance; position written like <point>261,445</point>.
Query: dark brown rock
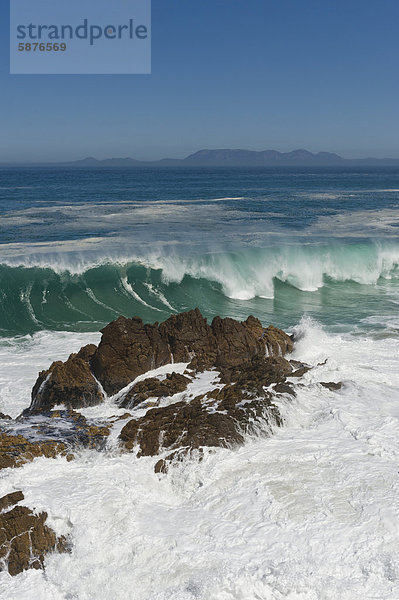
<point>86,353</point>
<point>25,539</point>
<point>284,388</point>
<point>220,418</point>
<point>237,343</point>
<point>3,416</point>
<point>188,335</point>
<point>259,372</point>
<point>300,372</point>
<point>127,349</point>
<point>154,388</point>
<point>70,383</point>
<point>277,341</point>
<point>10,500</point>
<point>15,450</point>
<point>180,424</point>
<point>331,385</point>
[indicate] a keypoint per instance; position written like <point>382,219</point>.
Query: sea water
<point>310,512</point>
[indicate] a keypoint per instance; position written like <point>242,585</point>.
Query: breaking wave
<point>58,295</point>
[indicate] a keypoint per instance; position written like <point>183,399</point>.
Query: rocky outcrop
<point>220,418</point>
<point>188,335</point>
<point>15,450</point>
<point>129,348</point>
<point>248,358</point>
<point>152,387</point>
<point>25,538</point>
<point>70,383</point>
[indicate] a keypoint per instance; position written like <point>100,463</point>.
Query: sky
<point>253,74</point>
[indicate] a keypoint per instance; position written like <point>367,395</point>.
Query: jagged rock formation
<point>247,358</point>
<point>219,418</point>
<point>129,348</point>
<point>25,538</point>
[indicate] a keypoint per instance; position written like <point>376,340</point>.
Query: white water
<point>308,514</point>
<point>242,276</point>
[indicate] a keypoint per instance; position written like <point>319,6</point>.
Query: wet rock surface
<point>152,387</point>
<point>129,348</point>
<point>25,539</point>
<point>16,450</point>
<point>55,433</point>
<point>70,383</point>
<point>247,357</point>
<point>221,417</point>
<point>331,385</point>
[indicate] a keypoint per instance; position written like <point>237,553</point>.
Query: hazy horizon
<point>320,76</point>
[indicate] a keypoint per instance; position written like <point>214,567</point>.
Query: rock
<point>15,450</point>
<point>249,358</point>
<point>128,348</point>
<point>331,385</point>
<point>10,500</point>
<point>86,353</point>
<point>284,388</point>
<point>259,372</point>
<point>220,418</point>
<point>25,539</point>
<point>188,335</point>
<point>277,341</point>
<point>3,416</point>
<point>236,343</point>
<point>79,433</point>
<point>70,383</point>
<point>154,388</point>
<point>180,424</point>
<point>300,372</point>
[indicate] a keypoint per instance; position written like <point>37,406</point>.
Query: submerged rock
<point>331,385</point>
<point>50,434</point>
<point>25,538</point>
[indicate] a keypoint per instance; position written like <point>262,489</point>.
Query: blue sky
<point>256,74</point>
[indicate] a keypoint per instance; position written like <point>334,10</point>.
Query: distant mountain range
<point>234,158</point>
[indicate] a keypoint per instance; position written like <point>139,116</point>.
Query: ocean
<point>310,513</point>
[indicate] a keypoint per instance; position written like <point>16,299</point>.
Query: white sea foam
<point>21,359</point>
<point>310,513</point>
<point>127,288</point>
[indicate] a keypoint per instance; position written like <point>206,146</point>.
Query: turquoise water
<point>79,247</point>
